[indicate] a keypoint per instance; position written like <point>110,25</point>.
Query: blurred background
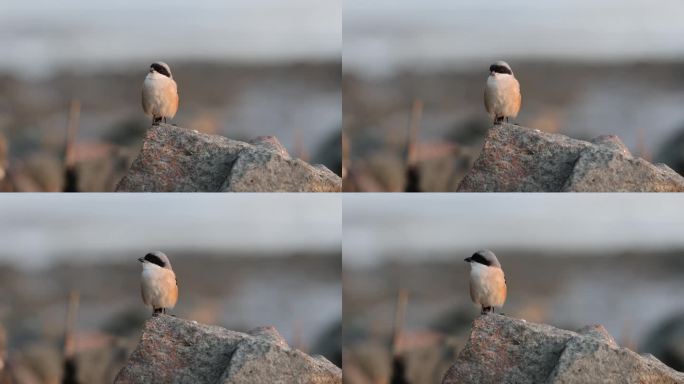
<point>415,72</point>
<point>241,262</point>
<point>71,78</point>
<point>570,261</point>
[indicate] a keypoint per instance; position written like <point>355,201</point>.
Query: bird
<point>159,93</point>
<point>158,283</point>
<point>502,93</point>
<point>487,281</point>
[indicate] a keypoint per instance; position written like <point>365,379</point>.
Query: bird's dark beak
<point>468,259</point>
<point>491,73</point>
<point>140,259</point>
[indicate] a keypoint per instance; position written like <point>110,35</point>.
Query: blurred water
<point>387,35</point>
<point>40,36</point>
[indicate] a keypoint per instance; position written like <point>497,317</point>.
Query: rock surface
<point>176,159</point>
<point>519,159</point>
<point>506,350</point>
<point>173,350</point>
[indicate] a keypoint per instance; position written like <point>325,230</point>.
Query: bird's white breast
<point>158,286</point>
<point>502,95</point>
<point>487,285</point>
<point>160,95</point>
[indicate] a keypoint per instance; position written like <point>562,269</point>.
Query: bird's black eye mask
<point>154,259</point>
<point>477,258</point>
<point>160,69</point>
<point>500,69</point>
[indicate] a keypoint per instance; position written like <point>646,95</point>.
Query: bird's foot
<point>486,310</point>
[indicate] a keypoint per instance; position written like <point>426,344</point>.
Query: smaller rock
<point>272,143</point>
<point>269,334</point>
<point>604,169</point>
<point>260,361</point>
<point>613,142</point>
<point>599,332</point>
<point>592,360</point>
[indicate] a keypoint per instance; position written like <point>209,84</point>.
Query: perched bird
<point>502,93</point>
<point>487,280</point>
<point>158,284</point>
<point>159,93</point>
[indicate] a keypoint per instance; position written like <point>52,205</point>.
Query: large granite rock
<point>176,159</point>
<point>173,350</point>
<point>519,159</point>
<point>506,350</point>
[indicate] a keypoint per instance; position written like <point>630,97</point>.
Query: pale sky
<point>412,227</point>
<point>37,229</point>
<point>387,35</point>
<point>39,36</point>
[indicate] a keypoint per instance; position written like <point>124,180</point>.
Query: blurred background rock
<point>244,69</point>
<point>240,263</point>
<point>585,68</point>
<point>570,261</point>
